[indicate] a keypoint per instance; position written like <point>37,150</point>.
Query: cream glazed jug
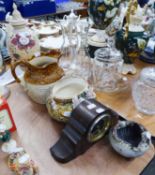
<point>23,43</point>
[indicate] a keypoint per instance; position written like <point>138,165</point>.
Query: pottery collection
<point>36,48</point>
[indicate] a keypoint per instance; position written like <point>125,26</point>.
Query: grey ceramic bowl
<point>129,139</point>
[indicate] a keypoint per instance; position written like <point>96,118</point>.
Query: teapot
<point>71,19</point>
<point>40,75</point>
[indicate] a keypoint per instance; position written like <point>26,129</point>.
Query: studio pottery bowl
<point>40,75</point>
<point>60,101</point>
<point>129,139</point>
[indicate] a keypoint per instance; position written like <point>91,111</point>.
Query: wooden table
<point>36,132</point>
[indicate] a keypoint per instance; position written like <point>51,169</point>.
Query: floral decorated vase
<point>23,42</point>
<point>102,12</point>
<point>65,95</point>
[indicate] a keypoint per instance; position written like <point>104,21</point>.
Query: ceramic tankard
<point>40,75</point>
<point>64,95</point>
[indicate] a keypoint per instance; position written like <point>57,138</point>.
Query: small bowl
<point>129,139</point>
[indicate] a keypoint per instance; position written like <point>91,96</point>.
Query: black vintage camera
<point>89,122</point>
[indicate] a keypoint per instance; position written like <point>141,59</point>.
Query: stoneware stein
<point>129,139</point>
<point>60,100</point>
<point>40,75</point>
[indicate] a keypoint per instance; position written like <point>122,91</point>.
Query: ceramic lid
<point>16,18</point>
<point>147,75</point>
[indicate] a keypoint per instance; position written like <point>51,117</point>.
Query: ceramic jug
<point>40,75</point>
<point>23,42</point>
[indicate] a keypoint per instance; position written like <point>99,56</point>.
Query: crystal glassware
<point>107,71</point>
<point>143,91</point>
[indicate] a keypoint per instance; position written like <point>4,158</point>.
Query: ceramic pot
<point>40,75</point>
<point>60,100</point>
<point>129,139</point>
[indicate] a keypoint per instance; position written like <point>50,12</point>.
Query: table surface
<point>37,132</point>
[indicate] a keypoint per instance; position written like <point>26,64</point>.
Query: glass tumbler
<point>107,71</point>
<point>143,91</point>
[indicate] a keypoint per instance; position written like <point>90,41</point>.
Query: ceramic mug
<point>64,92</point>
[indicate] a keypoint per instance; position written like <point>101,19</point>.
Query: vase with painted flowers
<point>23,43</point>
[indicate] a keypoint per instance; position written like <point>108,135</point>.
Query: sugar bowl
<point>64,92</point>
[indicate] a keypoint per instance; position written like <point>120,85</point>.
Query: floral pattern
<point>23,42</point>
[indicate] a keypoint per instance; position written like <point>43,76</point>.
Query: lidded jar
<point>143,91</point>
<point>107,70</point>
<point>23,42</point>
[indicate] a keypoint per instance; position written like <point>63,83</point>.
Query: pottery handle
<point>13,68</point>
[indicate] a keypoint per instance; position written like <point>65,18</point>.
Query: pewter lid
<point>147,75</point>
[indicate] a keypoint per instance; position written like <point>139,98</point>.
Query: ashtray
<point>129,139</point>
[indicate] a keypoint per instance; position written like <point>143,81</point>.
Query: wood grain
<point>36,132</point>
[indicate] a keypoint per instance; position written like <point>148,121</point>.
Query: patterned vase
<point>102,12</point>
<point>23,43</point>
